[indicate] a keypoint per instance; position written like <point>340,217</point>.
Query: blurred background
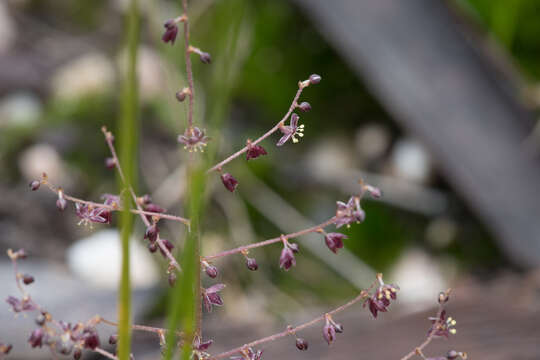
<point>435,102</point>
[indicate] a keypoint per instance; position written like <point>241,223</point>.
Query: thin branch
<point>292,330</point>
<point>294,104</point>
<point>105,353</point>
<point>152,329</point>
<point>189,70</point>
<point>240,249</point>
<point>418,350</point>
<point>109,138</point>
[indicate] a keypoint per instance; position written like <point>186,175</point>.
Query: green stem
<point>128,139</point>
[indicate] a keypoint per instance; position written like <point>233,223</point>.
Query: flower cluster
<point>193,139</point>
<point>350,212</point>
<point>380,300</point>
<point>287,259</point>
<point>330,329</point>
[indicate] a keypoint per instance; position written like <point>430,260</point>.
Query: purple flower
<point>442,326</point>
<point>254,151</point>
<point>151,207</point>
<point>205,57</point>
<point>113,339</point>
<point>249,354</point>
<point>287,259</point>
<point>199,348</point>
<point>304,106</point>
<point>380,300</point>
<point>251,264</point>
<point>330,329</point>
<point>90,338</point>
<point>210,270</point>
<point>301,344</point>
<point>151,233</point>
<point>5,348</point>
<point>334,241</point>
<point>193,139</point>
<point>111,200</point>
<point>211,296</point>
<point>229,181</point>
<point>20,305</point>
<point>314,79</point>
<point>89,214</point>
<point>171,30</point>
<point>34,185</point>
<point>291,131</point>
<point>36,338</point>
<point>350,212</point>
<point>27,279</point>
<point>110,163</point>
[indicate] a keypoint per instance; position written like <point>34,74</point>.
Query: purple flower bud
<point>301,344</point>
<point>251,264</point>
<point>181,95</point>
<point>205,57</point>
<point>152,247</point>
<point>375,192</point>
<point>171,30</point>
<point>168,245</point>
<point>151,233</point>
<point>20,305</point>
<point>36,338</point>
<point>334,241</point>
<point>229,181</point>
<point>211,271</point>
<point>90,338</point>
<point>34,185</point>
<point>110,163</point>
<point>211,296</point>
<point>151,207</point>
<point>172,279</point>
<point>452,355</point>
<point>314,79</point>
<point>330,329</point>
<point>77,354</point>
<point>40,319</point>
<point>28,279</point>
<point>61,203</point>
<point>254,151</point>
<point>287,260</point>
<point>304,106</point>
<point>113,339</point>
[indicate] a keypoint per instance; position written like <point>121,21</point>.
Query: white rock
<point>92,73</point>
<point>97,259</point>
<point>410,161</point>
<point>8,31</point>
<point>19,109</point>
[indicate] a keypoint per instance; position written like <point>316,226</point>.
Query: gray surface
<point>421,67</point>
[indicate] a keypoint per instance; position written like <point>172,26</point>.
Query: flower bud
<point>28,279</point>
<point>229,182</point>
<point>36,338</point>
<point>301,344</point>
<point>172,278</point>
<point>205,57</point>
<point>314,79</point>
<point>152,247</point>
<point>251,264</point>
<point>61,203</point>
<point>171,30</point>
<point>34,185</point>
<point>151,233</point>
<point>211,271</point>
<point>110,163</point>
<point>304,106</point>
<point>181,95</point>
<point>113,339</point>
<point>77,354</point>
<point>443,297</point>
<point>40,319</point>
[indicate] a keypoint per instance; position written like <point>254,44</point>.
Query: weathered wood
<point>437,84</point>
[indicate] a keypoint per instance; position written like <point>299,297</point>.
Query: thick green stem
<point>128,139</point>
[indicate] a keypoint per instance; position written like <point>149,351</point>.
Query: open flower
<point>91,214</point>
<point>211,296</point>
<point>330,329</point>
<point>20,305</point>
<point>291,131</point>
<point>199,348</point>
<point>350,212</point>
<point>287,259</point>
<point>193,139</point>
<point>381,298</point>
<point>442,326</point>
<point>36,338</point>
<point>334,241</point>
<point>249,354</point>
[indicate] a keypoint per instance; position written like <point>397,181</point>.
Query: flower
<point>110,163</point>
<point>171,30</point>
<point>330,329</point>
<point>251,264</point>
<point>193,139</point>
<point>254,151</point>
<point>27,279</point>
<point>151,233</point>
<point>5,348</point>
<point>36,338</point>
<point>350,212</point>
<point>199,348</point>
<point>90,214</point>
<point>291,131</point>
<point>211,296</point>
<point>17,305</point>
<point>249,354</point>
<point>301,344</point>
<point>380,300</point>
<point>304,106</point>
<point>113,339</point>
<point>314,79</point>
<point>34,185</point>
<point>334,241</point>
<point>287,259</point>
<point>205,57</point>
<point>442,326</point>
<point>210,270</point>
<point>229,182</point>
<point>90,338</point>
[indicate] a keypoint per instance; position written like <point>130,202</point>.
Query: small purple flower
<point>90,338</point>
<point>211,296</point>
<point>301,344</point>
<point>36,338</point>
<point>291,131</point>
<point>350,212</point>
<point>151,233</point>
<point>110,163</point>
<point>171,30</point>
<point>330,329</point>
<point>442,326</point>
<point>249,354</point>
<point>287,259</point>
<point>113,339</point>
<point>27,279</point>
<point>90,214</point>
<point>380,300</point>
<point>314,79</point>
<point>334,241</point>
<point>210,270</point>
<point>77,354</point>
<point>229,182</point>
<point>205,57</point>
<point>193,139</point>
<point>199,348</point>
<point>34,185</point>
<point>254,151</point>
<point>111,200</point>
<point>304,106</point>
<point>20,305</point>
<point>151,207</point>
<point>251,264</point>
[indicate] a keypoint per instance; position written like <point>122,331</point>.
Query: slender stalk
<point>292,330</point>
<point>189,71</point>
<point>105,353</point>
<point>240,249</point>
<point>128,143</point>
<point>418,350</point>
<point>294,104</point>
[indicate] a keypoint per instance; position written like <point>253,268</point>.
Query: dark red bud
<point>152,247</point>
<point>304,106</point>
<point>252,264</point>
<point>181,96</point>
<point>28,279</point>
<point>314,79</point>
<point>34,185</point>
<point>205,57</point>
<point>301,344</point>
<point>151,233</point>
<point>113,339</point>
<point>229,181</point>
<point>110,163</point>
<point>211,271</point>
